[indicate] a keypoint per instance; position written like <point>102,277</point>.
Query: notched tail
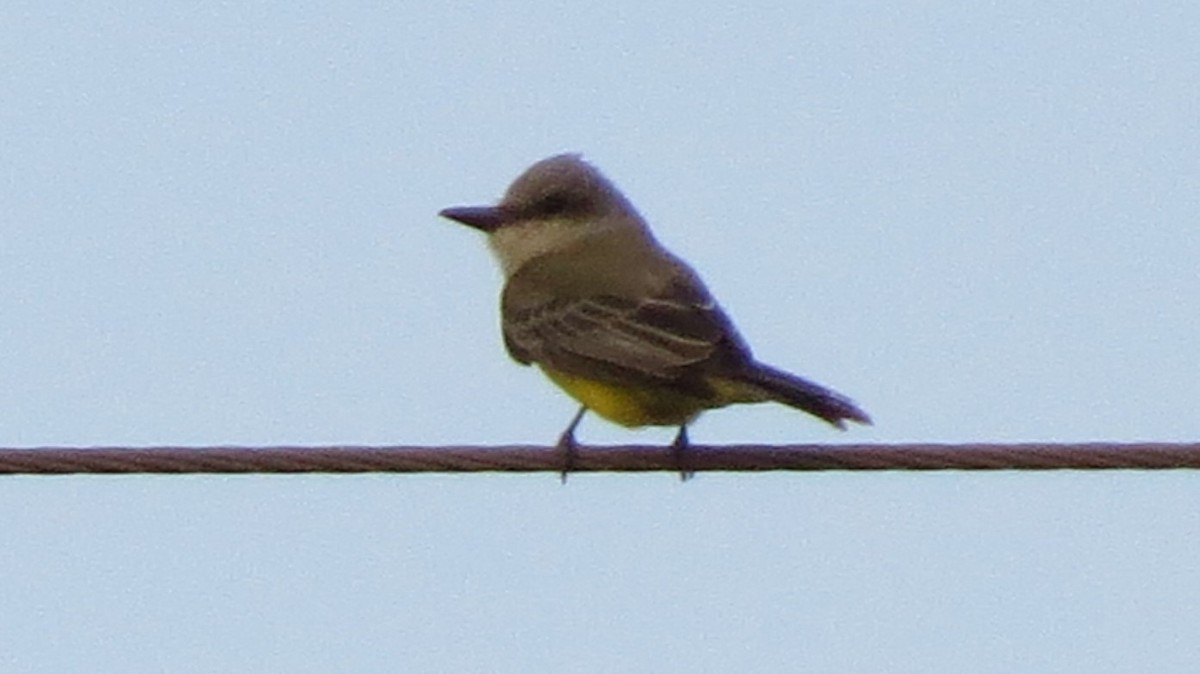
<point>805,395</point>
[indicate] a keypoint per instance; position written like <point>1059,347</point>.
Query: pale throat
<point>515,244</point>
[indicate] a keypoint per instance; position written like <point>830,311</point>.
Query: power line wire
<point>624,458</point>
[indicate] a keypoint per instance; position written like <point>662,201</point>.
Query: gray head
<point>554,203</point>
<point>563,185</point>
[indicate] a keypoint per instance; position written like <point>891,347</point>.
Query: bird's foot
<point>567,448</point>
<point>680,454</point>
<point>568,451</point>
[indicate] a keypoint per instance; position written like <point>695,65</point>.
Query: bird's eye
<point>556,203</point>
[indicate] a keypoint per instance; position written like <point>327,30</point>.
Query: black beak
<point>484,218</point>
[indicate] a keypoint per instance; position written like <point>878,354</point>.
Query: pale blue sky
<point>217,225</point>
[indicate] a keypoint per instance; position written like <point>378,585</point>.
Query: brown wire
<point>526,458</point>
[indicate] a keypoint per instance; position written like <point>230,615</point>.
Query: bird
<point>617,321</point>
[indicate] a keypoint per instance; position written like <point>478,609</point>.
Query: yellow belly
<point>632,405</point>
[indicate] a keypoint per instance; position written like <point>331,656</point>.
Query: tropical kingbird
<point>613,318</point>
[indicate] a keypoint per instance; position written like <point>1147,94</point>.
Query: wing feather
<point>672,335</point>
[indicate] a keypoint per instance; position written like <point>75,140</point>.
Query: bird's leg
<point>679,451</point>
<point>567,448</point>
